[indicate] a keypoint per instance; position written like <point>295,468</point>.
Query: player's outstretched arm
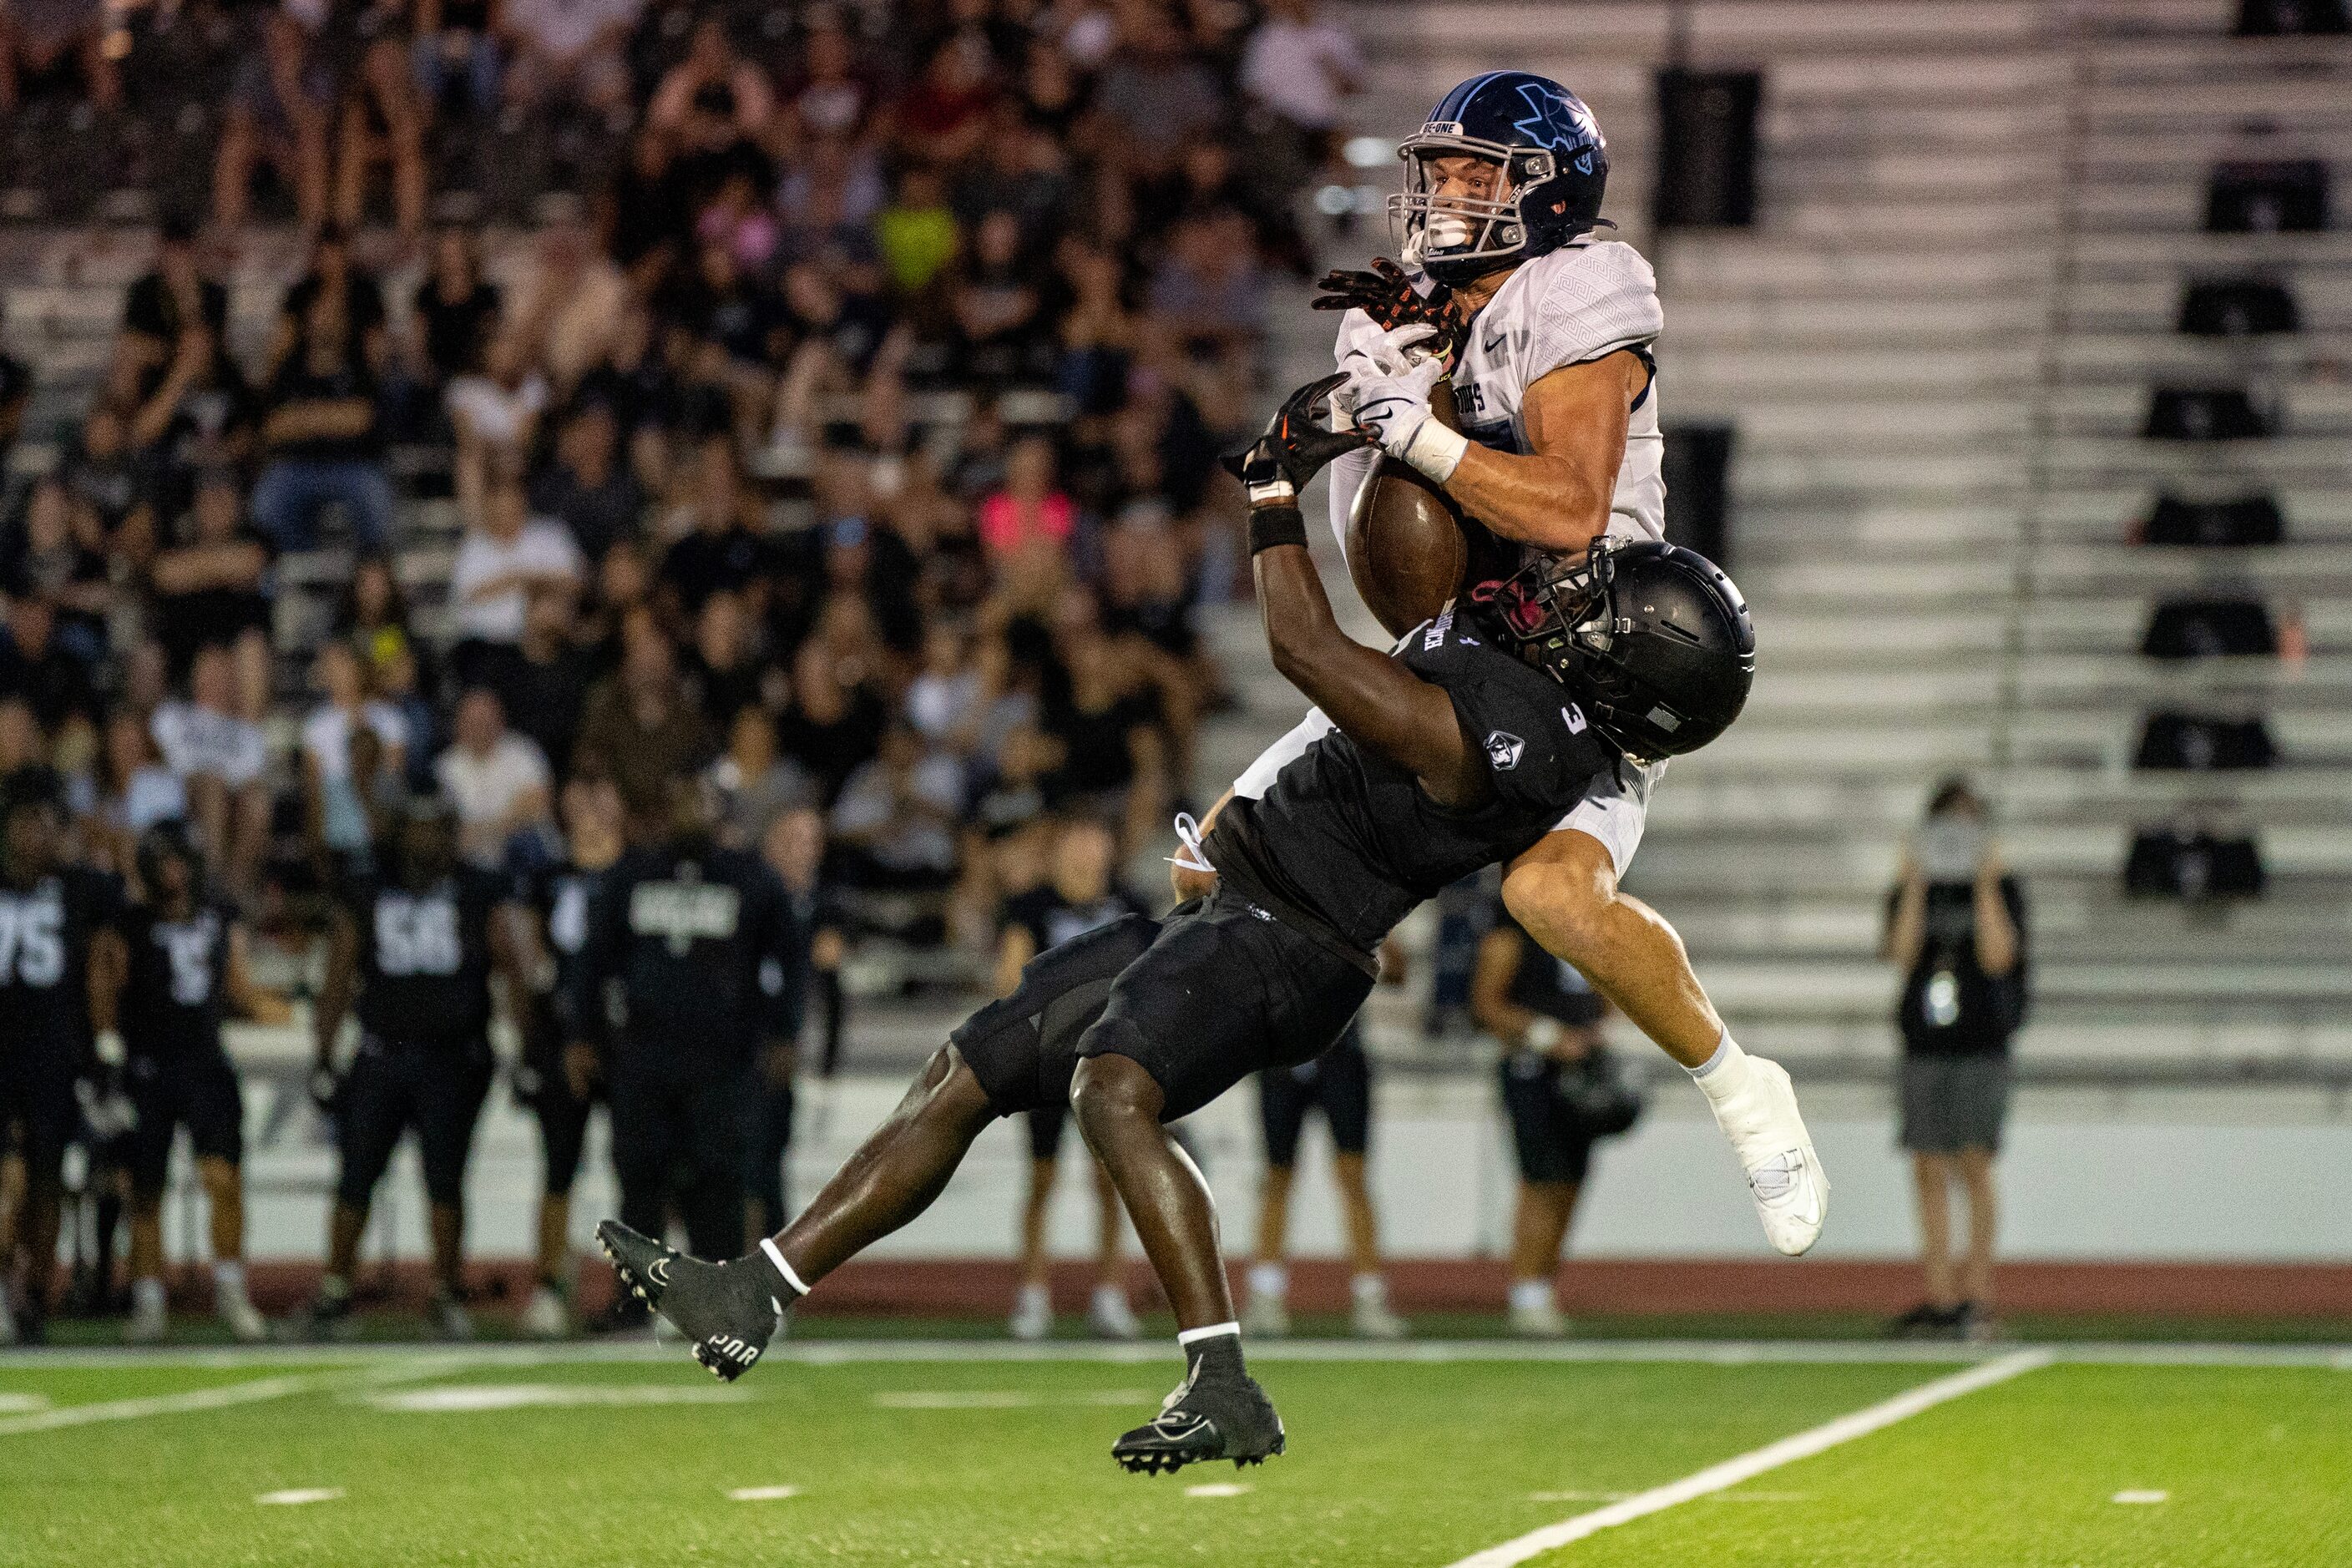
<point>1378,702</point>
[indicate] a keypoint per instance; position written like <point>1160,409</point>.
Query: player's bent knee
<point>1110,1089</point>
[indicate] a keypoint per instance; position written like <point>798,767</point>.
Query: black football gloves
<point>1295,448</point>
<point>1389,298</point>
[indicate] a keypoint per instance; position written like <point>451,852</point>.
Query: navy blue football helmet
<point>1554,165</point>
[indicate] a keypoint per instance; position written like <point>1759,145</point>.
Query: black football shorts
<point>1339,1083</point>
<point>1023,1047</point>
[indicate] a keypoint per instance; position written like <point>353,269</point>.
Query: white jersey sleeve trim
<point>1598,299</point>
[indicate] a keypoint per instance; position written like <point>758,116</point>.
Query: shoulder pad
<point>1588,300</point>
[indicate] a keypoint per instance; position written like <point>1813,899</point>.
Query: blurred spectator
<point>638,728</point>
<point>1955,925</point>
<point>178,296</point>
<point>506,553</point>
<point>500,784</point>
<point>1300,67</point>
<point>1028,514</point>
<point>37,669</point>
<point>43,40</point>
<point>42,555</point>
<point>212,590</point>
<point>278,114</point>
<point>102,475</point>
<point>568,52</point>
<point>714,98</point>
<point>372,613</point>
<point>589,486</point>
<point>381,121</point>
<point>15,393</point>
<point>722,547</point>
<point>571,308</point>
<point>542,681</point>
<point>454,310</point>
<point>455,54</point>
<point>893,819</point>
<point>220,758</point>
<point>134,790</point>
<point>723,664</point>
<point>321,436</point>
<point>916,232</point>
<point>756,783</point>
<point>1157,95</point>
<point>495,414</point>
<point>335,785</point>
<point>835,722</point>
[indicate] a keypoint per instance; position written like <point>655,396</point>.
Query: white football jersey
<point>1566,307</point>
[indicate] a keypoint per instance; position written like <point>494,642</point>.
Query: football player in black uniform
<point>559,1077</point>
<point>1548,1017</point>
<point>690,984</point>
<point>57,924</point>
<point>1339,1083</point>
<point>1077,896</point>
<point>184,970</point>
<point>416,958</point>
<point>814,944</point>
<point>1461,749</point>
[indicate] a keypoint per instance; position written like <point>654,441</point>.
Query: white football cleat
<point>1110,1316</point>
<point>1033,1314</point>
<point>1755,1106</point>
<point>546,1317</point>
<point>235,1309</point>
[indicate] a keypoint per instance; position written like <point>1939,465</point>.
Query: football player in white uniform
<point>1547,333</point>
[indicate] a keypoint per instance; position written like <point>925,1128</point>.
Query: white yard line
<point>253,1391</point>
<point>1749,1465</point>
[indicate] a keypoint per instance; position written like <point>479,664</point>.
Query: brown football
<point>1410,547</point>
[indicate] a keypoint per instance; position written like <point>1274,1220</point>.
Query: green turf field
<point>494,1457</point>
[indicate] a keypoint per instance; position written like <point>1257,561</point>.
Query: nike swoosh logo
<point>1494,344</point>
<point>1371,411</point>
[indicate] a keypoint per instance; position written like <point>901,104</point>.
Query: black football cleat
<point>1213,1417</point>
<point>728,1312</point>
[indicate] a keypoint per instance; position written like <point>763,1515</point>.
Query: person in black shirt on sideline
<point>421,953</point>
<point>183,971</point>
<point>689,982</point>
<point>1956,923</point>
<point>1548,1017</point>
<point>1077,896</point>
<point>559,1077</point>
<point>1461,749</point>
<point>59,931</point>
<point>793,847</point>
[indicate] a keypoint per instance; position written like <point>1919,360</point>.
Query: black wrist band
<point>1273,525</point>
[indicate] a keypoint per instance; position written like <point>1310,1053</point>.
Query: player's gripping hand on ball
<point>1388,392</point>
<point>1295,448</point>
<point>1388,299</point>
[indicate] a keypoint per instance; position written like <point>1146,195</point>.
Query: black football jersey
<point>563,895</point>
<point>701,947</point>
<point>425,957</point>
<point>1346,843</point>
<point>44,940</point>
<point>176,992</point>
<point>1547,987</point>
<point>1052,919</point>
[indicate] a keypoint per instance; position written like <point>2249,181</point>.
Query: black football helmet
<point>1555,166</point>
<point>1654,639</point>
<point>168,840</point>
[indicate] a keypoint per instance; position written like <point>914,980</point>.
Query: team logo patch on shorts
<point>1503,750</point>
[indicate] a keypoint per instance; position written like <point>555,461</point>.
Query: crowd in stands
<point>850,440</point>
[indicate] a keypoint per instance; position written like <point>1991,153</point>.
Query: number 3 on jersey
<point>32,942</point>
<point>416,936</point>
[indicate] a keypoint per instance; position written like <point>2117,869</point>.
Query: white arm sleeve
<point>1347,473</point>
<point>1258,777</point>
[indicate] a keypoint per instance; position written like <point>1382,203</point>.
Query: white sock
<point>147,1294</point>
<point>1031,1291</point>
<point>228,1277</point>
<point>1530,1294</point>
<point>1271,1280</point>
<point>1108,1292</point>
<point>1723,1074</point>
<point>1369,1289</point>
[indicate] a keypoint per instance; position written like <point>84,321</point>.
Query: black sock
<point>1215,1357</point>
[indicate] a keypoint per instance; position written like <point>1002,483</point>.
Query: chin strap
<point>1189,856</point>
